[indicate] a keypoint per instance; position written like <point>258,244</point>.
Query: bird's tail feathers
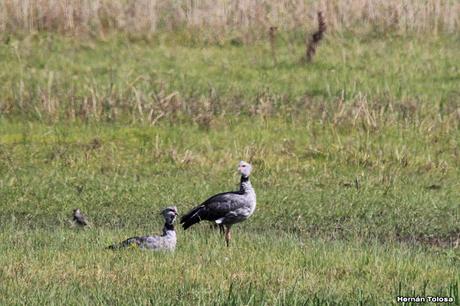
<point>132,242</point>
<point>192,217</point>
<point>114,246</point>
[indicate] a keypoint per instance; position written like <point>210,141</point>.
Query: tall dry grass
<point>97,17</point>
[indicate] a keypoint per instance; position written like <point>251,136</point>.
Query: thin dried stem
<point>272,37</point>
<point>315,39</point>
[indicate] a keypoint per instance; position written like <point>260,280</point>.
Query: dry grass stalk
<point>272,37</point>
<point>315,38</point>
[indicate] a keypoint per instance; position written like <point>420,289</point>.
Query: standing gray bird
<point>78,218</point>
<point>167,241</point>
<point>227,208</point>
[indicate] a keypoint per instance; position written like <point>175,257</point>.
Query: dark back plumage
<point>212,209</point>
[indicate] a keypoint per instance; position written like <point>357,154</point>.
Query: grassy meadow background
<point>121,108</point>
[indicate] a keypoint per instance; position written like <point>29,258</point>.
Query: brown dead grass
<point>249,17</point>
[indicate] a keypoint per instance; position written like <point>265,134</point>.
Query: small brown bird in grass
<point>433,187</point>
<point>79,219</point>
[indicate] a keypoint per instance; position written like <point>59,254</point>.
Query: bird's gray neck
<point>168,229</point>
<point>245,184</point>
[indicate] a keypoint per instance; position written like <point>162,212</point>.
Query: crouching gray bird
<point>228,208</point>
<point>167,241</point>
<point>78,218</point>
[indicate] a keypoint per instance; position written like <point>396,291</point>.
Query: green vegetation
<point>49,77</point>
<point>313,235</point>
<point>356,168</point>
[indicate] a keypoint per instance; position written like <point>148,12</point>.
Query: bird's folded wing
<point>153,242</point>
<point>223,203</point>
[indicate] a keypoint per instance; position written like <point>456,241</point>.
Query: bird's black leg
<point>220,226</point>
<point>228,235</point>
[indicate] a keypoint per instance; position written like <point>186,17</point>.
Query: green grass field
<point>356,168</point>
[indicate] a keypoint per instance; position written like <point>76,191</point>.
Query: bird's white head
<point>170,213</point>
<point>244,168</point>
